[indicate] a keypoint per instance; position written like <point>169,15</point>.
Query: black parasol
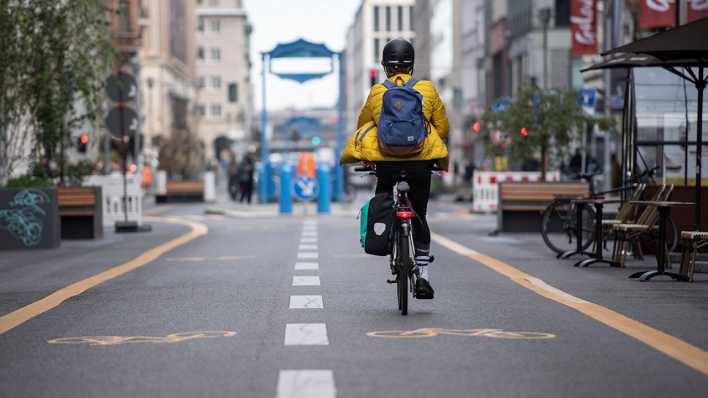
<point>682,51</point>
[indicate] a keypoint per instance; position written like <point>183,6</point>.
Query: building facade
<point>224,106</point>
<point>376,22</point>
<point>168,72</point>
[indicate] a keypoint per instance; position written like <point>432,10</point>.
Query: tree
<point>60,53</point>
<point>538,122</point>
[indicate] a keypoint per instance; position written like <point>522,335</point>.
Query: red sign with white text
<point>583,27</point>
<point>697,9</point>
<point>657,13</point>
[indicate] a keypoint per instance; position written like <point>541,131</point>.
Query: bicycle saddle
<point>403,187</point>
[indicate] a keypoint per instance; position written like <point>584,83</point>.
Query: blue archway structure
<point>305,124</point>
<point>299,48</point>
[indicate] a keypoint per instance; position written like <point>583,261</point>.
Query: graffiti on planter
<point>24,219</point>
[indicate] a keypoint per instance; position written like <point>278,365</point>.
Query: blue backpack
<point>402,127</point>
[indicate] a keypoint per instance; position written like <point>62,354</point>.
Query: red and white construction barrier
<point>486,186</point>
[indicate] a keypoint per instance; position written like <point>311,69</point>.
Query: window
<point>377,48</point>
<point>388,18</point>
<point>233,92</point>
<point>376,18</point>
<point>411,18</point>
<point>215,25</point>
<point>201,82</point>
<point>200,24</point>
<point>200,53</point>
<point>124,15</point>
<point>216,110</point>
<point>214,3</point>
<point>200,110</point>
<point>216,54</point>
<point>400,18</point>
<point>216,81</point>
<point>562,13</point>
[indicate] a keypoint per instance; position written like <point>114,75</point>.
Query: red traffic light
<point>524,132</point>
<point>84,139</point>
<point>477,127</point>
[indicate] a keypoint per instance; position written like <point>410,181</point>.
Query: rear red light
<point>404,214</point>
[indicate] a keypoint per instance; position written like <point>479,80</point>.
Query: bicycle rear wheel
<point>558,226</point>
<point>403,270</point>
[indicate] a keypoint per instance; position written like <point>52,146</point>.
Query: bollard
<point>209,187</point>
<point>263,179</point>
<point>286,190</point>
<point>324,198</point>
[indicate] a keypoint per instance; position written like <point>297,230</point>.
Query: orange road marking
<point>24,314</point>
<point>676,348</point>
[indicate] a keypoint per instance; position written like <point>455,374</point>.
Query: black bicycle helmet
<point>398,52</point>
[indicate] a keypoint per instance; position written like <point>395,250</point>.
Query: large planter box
<point>29,218</point>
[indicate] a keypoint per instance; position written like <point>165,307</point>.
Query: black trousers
<point>418,177</point>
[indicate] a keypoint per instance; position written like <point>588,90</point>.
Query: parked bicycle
<point>558,225</point>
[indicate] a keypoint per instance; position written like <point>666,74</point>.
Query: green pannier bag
<point>376,226</point>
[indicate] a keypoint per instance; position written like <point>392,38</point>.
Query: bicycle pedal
<point>391,281</point>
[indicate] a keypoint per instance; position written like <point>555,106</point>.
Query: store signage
<point>697,9</point>
<point>583,22</point>
<point>657,13</point>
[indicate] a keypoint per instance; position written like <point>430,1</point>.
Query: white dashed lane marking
<point>306,302</point>
<point>306,266</point>
<point>306,384</point>
<point>307,280</point>
<point>308,240</point>
<point>307,247</point>
<point>306,334</point>
<point>302,255</point>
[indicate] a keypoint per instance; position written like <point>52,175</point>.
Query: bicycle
<point>401,259</point>
<point>559,218</point>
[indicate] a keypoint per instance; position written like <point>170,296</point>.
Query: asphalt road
<point>228,314</point>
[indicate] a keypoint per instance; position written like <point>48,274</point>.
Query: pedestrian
<point>233,184</point>
<point>245,176</point>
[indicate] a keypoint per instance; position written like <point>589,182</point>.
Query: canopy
<point>681,51</point>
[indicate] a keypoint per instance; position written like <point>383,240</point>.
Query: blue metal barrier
<point>324,199</point>
<point>286,189</point>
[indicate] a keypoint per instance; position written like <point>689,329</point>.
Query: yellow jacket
<point>367,148</point>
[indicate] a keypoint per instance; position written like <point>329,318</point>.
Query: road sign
<point>305,188</point>
<point>587,97</point>
<point>130,121</point>
<point>121,87</point>
<point>501,104</point>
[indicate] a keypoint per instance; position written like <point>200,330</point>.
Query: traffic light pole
<point>339,171</point>
<point>264,175</point>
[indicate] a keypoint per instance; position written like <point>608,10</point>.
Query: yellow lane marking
<point>22,315</point>
<point>116,340</point>
<point>676,348</point>
<point>434,332</point>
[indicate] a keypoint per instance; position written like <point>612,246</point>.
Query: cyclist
<point>398,60</point>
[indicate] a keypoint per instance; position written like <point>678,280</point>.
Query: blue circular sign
<point>305,188</point>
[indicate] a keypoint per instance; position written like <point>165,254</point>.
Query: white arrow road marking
<point>306,384</point>
<point>303,255</point>
<point>306,302</point>
<point>306,266</point>
<point>306,280</point>
<point>306,334</point>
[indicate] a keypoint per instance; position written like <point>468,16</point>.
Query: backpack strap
<point>389,85</point>
<point>411,83</point>
<point>361,137</point>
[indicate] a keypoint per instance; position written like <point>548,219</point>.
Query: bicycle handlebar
<point>369,169</point>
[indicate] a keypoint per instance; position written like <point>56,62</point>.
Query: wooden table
<point>596,257</point>
<point>664,208</point>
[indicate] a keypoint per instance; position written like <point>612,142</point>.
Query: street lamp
<point>544,15</point>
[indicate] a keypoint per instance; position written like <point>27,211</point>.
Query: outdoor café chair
<point>691,242</point>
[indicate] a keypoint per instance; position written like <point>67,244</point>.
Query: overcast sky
<point>278,21</point>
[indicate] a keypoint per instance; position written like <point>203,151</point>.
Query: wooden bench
<point>183,191</point>
<point>81,212</point>
<point>521,204</point>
